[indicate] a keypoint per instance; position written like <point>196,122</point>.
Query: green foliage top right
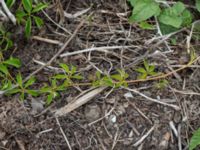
<point>170,18</point>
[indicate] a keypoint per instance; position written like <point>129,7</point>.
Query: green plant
<point>115,80</point>
<point>70,73</point>
<point>195,140</point>
<point>10,3</point>
<point>170,18</point>
<point>27,15</point>
<point>147,70</point>
<point>5,41</point>
<point>23,88</point>
<point>4,64</point>
<point>161,84</point>
<point>52,90</point>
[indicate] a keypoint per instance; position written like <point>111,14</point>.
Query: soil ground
<point>127,116</point>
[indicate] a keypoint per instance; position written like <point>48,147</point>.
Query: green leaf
<point>195,140</point>
<point>146,65</point>
<point>141,70</point>
<point>10,3</point>
<point>39,22</point>
<point>65,67</point>
<point>32,92</point>
<point>77,76</point>
<point>151,68</point>
<point>197,4</point>
<point>22,96</point>
<point>28,27</point>
<point>4,69</point>
<point>143,10</point>
<point>39,7</point>
<point>20,14</point>
<point>30,82</point>
<point>19,80</point>
<point>60,76</point>
<point>13,91</point>
<point>49,99</point>
<point>171,20</point>
<point>187,18</point>
<point>27,4</point>
<point>13,62</point>
<point>145,25</point>
<point>172,16</point>
<point>116,77</point>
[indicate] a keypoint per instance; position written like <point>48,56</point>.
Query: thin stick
<point>94,49</point>
<point>153,100</point>
<point>65,137</point>
<point>144,137</point>
<point>47,40</point>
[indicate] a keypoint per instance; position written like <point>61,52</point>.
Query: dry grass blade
<point>78,102</point>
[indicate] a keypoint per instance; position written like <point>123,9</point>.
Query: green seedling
<point>120,78</point>
<point>5,41</point>
<point>4,64</point>
<point>23,88</point>
<point>52,90</point>
<point>70,73</point>
<point>28,14</point>
<point>195,140</point>
<point>102,80</point>
<point>116,80</point>
<point>147,70</point>
<point>161,84</point>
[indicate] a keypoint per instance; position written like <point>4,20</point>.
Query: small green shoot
<point>147,70</point>
<point>27,15</point>
<point>70,73</point>
<point>5,41</point>
<point>8,63</point>
<point>52,90</point>
<point>24,88</point>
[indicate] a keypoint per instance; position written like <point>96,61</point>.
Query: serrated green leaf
<point>197,4</point>
<point>39,7</point>
<point>195,140</point>
<point>27,4</point>
<point>4,69</point>
<point>13,62</point>
<point>143,10</point>
<point>28,27</point>
<point>39,22</point>
<point>20,14</point>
